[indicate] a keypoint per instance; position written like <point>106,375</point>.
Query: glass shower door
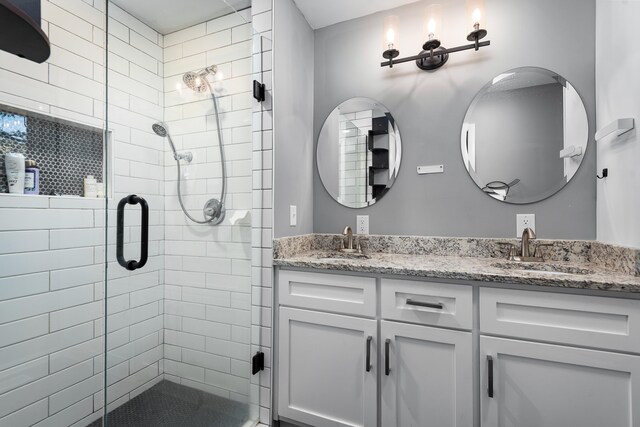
<point>178,294</point>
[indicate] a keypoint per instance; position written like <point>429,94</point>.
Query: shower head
<point>196,81</point>
<point>159,129</point>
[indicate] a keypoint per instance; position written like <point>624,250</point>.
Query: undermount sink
<point>542,268</point>
<point>341,255</point>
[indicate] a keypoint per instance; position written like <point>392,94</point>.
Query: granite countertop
<point>570,264</point>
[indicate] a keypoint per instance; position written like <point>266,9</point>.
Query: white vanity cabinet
<point>365,351</point>
<point>327,349</point>
<point>426,376</point>
<point>336,350</point>
<point>532,384</point>
<point>527,384</point>
<point>324,377</point>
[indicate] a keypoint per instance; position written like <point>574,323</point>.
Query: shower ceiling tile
<point>167,16</point>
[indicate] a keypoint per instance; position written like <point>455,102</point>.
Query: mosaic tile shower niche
<point>65,152</point>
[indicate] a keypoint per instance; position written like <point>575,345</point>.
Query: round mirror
<point>358,153</point>
<point>525,135</point>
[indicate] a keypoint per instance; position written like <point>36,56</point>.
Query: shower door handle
<point>144,235</point>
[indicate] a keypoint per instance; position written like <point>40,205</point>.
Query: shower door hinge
<point>258,91</point>
<point>257,363</point>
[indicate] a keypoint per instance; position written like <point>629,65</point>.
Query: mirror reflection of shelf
<point>379,149</point>
<point>359,143</point>
<point>380,158</point>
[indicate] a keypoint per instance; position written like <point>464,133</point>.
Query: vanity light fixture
<point>433,55</point>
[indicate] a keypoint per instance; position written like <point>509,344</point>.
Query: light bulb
<point>476,16</point>
<point>390,33</point>
<point>432,27</point>
<point>433,21</point>
<point>476,11</point>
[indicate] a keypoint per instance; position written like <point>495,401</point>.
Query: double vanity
<point>421,331</point>
<point>415,331</point>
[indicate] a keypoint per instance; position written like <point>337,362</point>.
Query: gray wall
<point>293,119</point>
<point>430,106</point>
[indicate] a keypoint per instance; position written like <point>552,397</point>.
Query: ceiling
<point>167,16</point>
<point>328,12</point>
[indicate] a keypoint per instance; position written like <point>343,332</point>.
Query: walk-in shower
<point>214,209</point>
<point>88,337</point>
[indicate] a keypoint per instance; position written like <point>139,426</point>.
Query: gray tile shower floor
<point>168,404</point>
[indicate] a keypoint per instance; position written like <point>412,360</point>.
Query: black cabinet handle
<point>144,235</point>
<point>439,306</point>
<point>368,362</point>
<point>490,371</point>
<point>387,343</point>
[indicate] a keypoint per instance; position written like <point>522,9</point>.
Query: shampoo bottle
<point>31,177</point>
<point>14,167</point>
<point>90,187</point>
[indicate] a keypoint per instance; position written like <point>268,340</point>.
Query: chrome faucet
<point>527,234</point>
<point>349,233</point>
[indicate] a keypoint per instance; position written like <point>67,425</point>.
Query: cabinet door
<point>429,380</point>
<point>323,377</point>
<point>543,385</point>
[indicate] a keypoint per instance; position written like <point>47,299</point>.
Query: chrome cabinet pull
<point>438,306</point>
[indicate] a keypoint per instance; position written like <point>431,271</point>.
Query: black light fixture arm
<point>476,45</point>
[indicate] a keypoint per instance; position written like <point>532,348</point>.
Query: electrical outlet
<point>293,215</point>
<point>525,221</point>
<point>362,224</point>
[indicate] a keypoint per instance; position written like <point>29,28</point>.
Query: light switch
<point>293,215</point>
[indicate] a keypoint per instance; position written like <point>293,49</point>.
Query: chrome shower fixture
<point>161,130</point>
<point>214,210</point>
<point>197,80</point>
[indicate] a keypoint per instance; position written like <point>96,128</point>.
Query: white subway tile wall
<point>354,188</point>
<point>207,301</point>
<point>51,309</point>
<point>262,218</point>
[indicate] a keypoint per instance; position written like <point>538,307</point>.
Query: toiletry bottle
<point>14,167</point>
<point>90,187</point>
<point>100,190</point>
<point>31,177</point>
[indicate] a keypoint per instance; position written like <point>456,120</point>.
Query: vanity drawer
<point>428,303</point>
<point>350,295</point>
<point>608,323</point>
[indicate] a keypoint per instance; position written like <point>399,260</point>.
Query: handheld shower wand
<point>161,130</point>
